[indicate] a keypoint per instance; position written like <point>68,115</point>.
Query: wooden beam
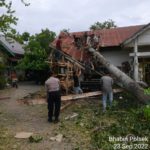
<point>4,98</point>
<point>140,54</point>
<point>85,95</point>
<point>67,98</point>
<point>71,59</point>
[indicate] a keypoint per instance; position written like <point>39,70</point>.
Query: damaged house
<point>10,53</point>
<point>128,48</point>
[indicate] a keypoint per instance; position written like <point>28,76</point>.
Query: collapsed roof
<point>108,38</point>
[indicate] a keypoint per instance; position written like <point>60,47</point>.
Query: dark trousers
<point>14,84</point>
<point>54,104</point>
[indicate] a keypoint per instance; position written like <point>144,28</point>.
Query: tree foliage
<point>2,77</point>
<point>35,57</point>
<point>25,3</point>
<point>25,36</point>
<point>45,38</point>
<point>7,18</point>
<point>37,51</point>
<point>65,30</point>
<point>104,25</point>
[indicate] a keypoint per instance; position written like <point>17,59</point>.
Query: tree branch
<point>25,3</point>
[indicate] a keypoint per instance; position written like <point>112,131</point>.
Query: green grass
<point>7,141</point>
<point>147,91</point>
<point>92,128</point>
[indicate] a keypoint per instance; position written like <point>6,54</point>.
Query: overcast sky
<point>78,15</point>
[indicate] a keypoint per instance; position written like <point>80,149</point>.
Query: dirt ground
<point>83,125</point>
<point>16,117</point>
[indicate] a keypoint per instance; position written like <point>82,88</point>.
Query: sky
<point>78,15</point>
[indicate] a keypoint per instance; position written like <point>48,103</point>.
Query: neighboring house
<point>10,52</point>
<point>126,47</point>
<point>12,48</point>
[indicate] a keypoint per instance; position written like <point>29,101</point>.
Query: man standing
<point>87,72</point>
<point>14,79</point>
<point>77,89</point>
<point>54,97</point>
<point>107,91</point>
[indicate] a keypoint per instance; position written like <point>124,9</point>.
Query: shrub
<point>147,91</point>
<point>2,78</point>
<point>146,111</point>
<point>2,82</point>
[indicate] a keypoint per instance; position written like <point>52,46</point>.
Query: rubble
<point>57,138</point>
<point>23,135</point>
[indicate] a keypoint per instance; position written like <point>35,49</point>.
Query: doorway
<point>145,67</point>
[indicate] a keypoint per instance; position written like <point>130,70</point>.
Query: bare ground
<point>15,117</point>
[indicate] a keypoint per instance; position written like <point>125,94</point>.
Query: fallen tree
<point>126,82</point>
<point>129,84</point>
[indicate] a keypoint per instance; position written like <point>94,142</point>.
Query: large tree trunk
<point>129,84</point>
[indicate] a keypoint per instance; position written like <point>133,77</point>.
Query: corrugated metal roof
<point>11,45</point>
<point>108,38</point>
<point>113,36</point>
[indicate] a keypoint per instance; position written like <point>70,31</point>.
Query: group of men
<point>86,41</point>
<point>54,95</point>
<point>53,84</point>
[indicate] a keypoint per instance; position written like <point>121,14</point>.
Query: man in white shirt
<point>54,97</point>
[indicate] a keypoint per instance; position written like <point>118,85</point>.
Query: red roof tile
<point>108,38</point>
<point>114,36</point>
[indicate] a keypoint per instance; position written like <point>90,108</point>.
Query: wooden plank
<point>71,59</point>
<point>4,98</point>
<point>85,95</point>
<point>78,96</point>
<point>67,98</point>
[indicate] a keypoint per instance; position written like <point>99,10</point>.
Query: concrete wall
<point>116,57</point>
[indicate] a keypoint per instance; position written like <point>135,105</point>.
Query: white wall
<point>116,57</point>
<point>144,39</point>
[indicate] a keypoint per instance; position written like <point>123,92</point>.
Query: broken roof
<point>113,36</point>
<point>108,38</point>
